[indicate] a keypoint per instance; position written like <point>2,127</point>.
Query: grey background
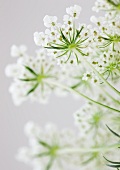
<point>19,19</point>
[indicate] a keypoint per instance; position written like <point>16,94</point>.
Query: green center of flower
<point>96,119</point>
<point>36,78</point>
<point>116,38</point>
<point>112,66</point>
<point>72,46</point>
<point>53,150</point>
<point>40,77</point>
<point>70,41</point>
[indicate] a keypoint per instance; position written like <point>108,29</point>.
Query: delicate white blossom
<point>46,146</point>
<point>74,11</point>
<point>40,38</point>
<point>33,77</point>
<point>109,33</point>
<point>92,120</point>
<point>63,40</point>
<point>50,21</point>
<point>18,51</point>
<point>111,7</point>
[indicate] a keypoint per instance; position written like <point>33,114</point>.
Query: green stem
<point>84,96</point>
<point>87,150</point>
<point>97,73</point>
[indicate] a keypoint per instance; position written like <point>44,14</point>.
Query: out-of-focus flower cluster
<point>46,146</point>
<point>32,75</point>
<point>50,148</point>
<point>92,120</point>
<point>111,7</point>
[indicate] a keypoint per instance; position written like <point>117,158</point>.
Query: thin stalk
<point>87,150</point>
<point>109,95</point>
<point>97,73</point>
<point>84,96</point>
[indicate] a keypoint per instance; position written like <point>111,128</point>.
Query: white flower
<point>50,21</point>
<point>45,151</point>
<point>12,70</point>
<point>40,39</point>
<point>32,130</point>
<point>109,65</point>
<point>41,53</point>
<point>68,20</point>
<point>108,37</point>
<point>18,51</point>
<point>24,155</point>
<point>91,120</point>
<point>64,40</point>
<point>74,11</point>
<point>33,77</point>
<point>18,92</point>
<point>111,7</point>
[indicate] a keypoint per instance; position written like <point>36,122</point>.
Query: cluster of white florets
<point>112,7</point>
<point>109,33</point>
<point>32,76</point>
<point>46,147</point>
<point>62,40</point>
<point>92,120</point>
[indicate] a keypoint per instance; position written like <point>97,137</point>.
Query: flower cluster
<point>33,76</point>
<point>92,120</point>
<point>109,33</point>
<point>112,7</point>
<point>46,147</point>
<point>108,65</point>
<point>18,51</point>
<point>63,40</point>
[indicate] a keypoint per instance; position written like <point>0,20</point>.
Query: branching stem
<point>84,96</point>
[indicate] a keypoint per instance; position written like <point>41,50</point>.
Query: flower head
<point>91,120</point>
<point>40,38</point>
<point>109,33</point>
<point>62,41</point>
<point>112,7</point>
<point>50,21</point>
<point>32,77</point>
<point>108,65</point>
<point>74,11</point>
<point>18,51</point>
<point>45,145</point>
